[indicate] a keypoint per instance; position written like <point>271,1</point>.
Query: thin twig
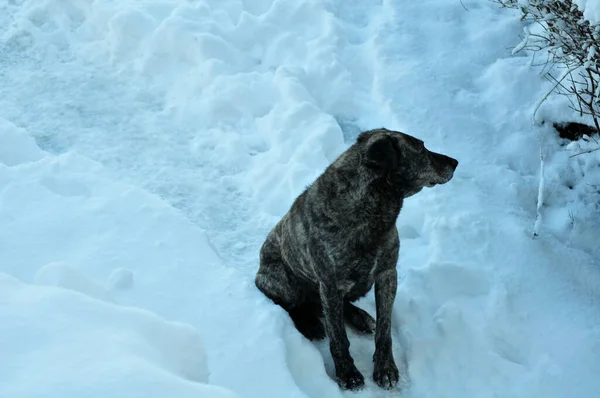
<point>539,103</point>
<point>591,103</point>
<point>584,152</point>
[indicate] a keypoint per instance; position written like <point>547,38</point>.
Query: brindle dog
<point>340,237</point>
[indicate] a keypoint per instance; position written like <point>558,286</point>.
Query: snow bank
<point>590,8</point>
<point>68,223</point>
<point>573,191</point>
<point>67,337</point>
<point>17,146</point>
<point>58,343</point>
<point>60,274</point>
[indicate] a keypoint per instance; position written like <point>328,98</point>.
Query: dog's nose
<point>447,161</point>
<point>453,163</point>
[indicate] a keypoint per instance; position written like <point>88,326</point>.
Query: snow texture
<point>58,343</point>
<point>590,8</point>
<point>161,140</point>
<point>121,278</point>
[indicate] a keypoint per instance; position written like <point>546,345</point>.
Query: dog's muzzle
<point>444,167</point>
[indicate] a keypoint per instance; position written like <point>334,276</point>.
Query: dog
<point>339,238</point>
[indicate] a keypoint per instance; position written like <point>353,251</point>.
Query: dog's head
<point>403,159</point>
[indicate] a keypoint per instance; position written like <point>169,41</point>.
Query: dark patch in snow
<point>573,130</point>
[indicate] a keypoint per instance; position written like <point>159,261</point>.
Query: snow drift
<point>61,343</point>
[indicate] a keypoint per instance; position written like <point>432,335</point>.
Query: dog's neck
<point>362,196</point>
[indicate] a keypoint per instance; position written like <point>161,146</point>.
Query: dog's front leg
<point>385,372</point>
<point>348,376</point>
<point>332,300</point>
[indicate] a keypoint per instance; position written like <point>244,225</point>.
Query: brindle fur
<point>340,237</point>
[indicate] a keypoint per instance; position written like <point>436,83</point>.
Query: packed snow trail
<point>214,115</point>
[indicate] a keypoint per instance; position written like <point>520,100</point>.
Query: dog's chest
<point>357,278</point>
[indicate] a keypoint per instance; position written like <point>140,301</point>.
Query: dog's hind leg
<point>358,318</point>
<point>277,284</point>
<point>307,319</point>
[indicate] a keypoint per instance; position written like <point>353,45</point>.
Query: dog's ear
<point>382,154</point>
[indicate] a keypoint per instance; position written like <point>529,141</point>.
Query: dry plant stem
<point>569,41</point>
<point>584,152</point>
<point>540,198</point>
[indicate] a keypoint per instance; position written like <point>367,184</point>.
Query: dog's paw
<point>351,379</point>
<point>309,325</point>
<point>312,330</point>
<point>385,374</point>
<point>359,319</point>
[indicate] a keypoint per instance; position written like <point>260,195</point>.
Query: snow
<point>60,343</point>
<point>149,146</point>
<point>590,8</point>
<point>574,180</point>
<point>121,278</point>
<point>18,147</point>
<point>61,274</point>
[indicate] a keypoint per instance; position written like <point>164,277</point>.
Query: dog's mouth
<point>440,179</point>
<point>433,183</point>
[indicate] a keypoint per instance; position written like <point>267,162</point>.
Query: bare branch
<point>584,152</point>
<point>568,41</point>
<point>539,103</point>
